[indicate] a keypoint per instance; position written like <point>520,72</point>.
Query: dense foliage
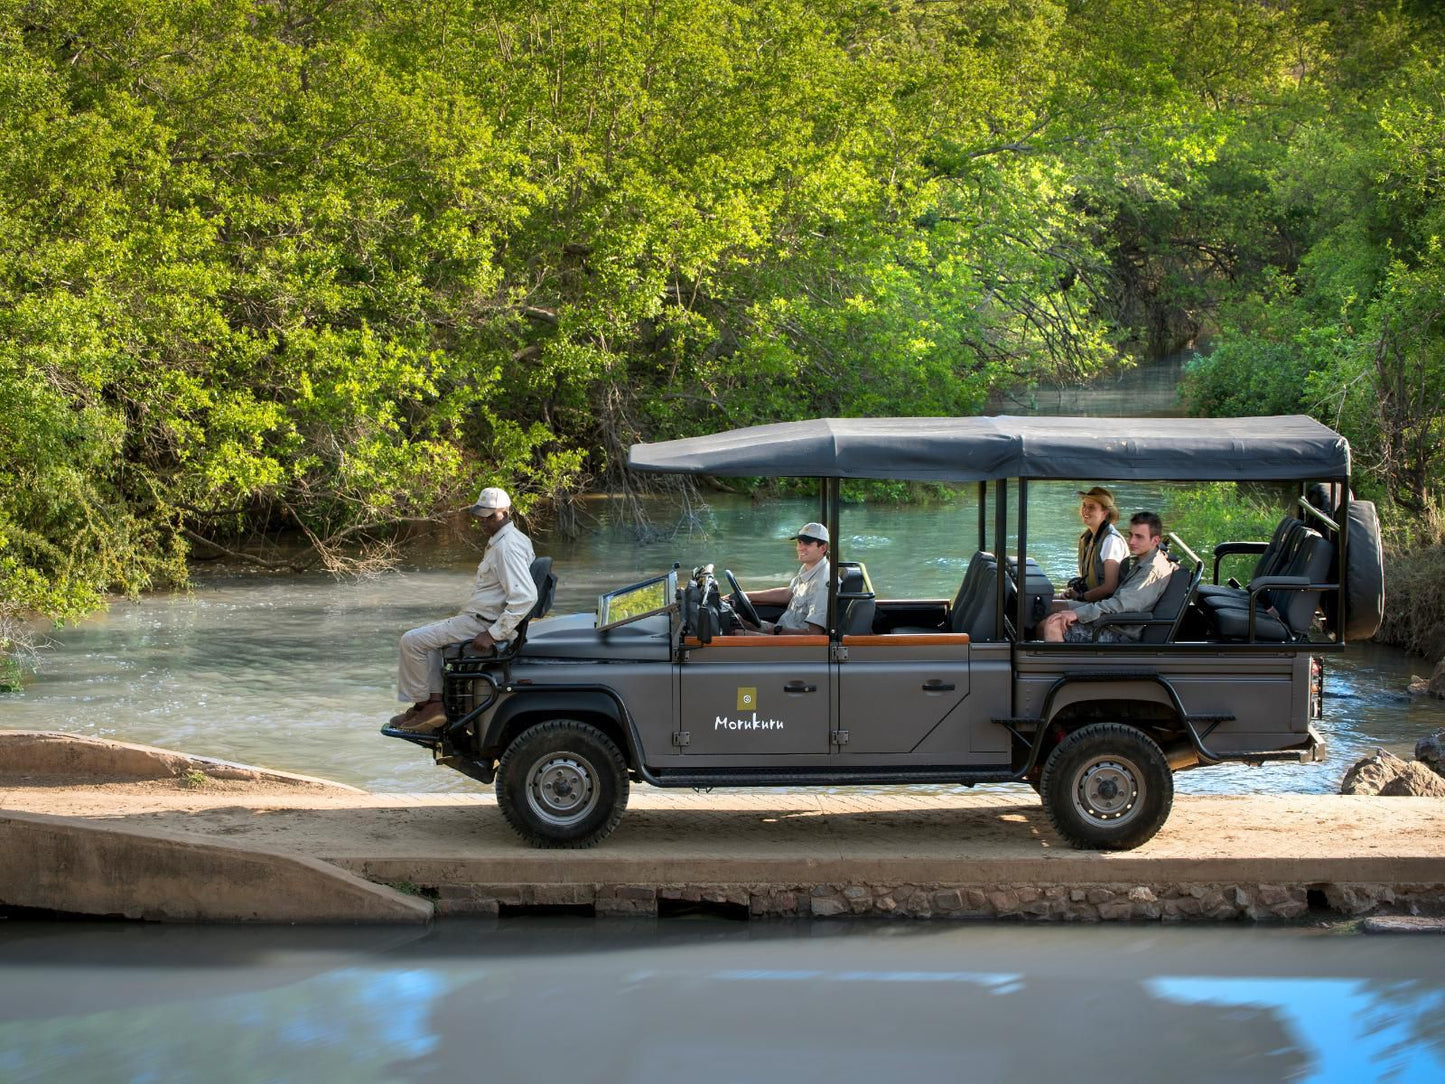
<point>1337,301</point>
<point>323,267</point>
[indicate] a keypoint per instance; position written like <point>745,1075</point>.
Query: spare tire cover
<point>1366,583</point>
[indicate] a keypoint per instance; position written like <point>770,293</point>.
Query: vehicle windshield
<point>636,601</point>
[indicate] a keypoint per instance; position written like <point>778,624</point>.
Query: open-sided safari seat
<point>974,607</point>
<point>1274,557</point>
<point>1285,601</point>
<point>856,603</point>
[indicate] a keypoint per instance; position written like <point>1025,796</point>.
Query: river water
<point>705,1000</point>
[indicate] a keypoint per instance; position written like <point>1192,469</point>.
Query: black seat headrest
<point>541,569</point>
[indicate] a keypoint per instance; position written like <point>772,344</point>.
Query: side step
<point>826,777</point>
<point>426,741</point>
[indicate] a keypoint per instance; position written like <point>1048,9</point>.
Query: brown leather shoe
<point>406,716</point>
<point>430,718</point>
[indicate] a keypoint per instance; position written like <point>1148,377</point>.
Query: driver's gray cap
<point>816,531</point>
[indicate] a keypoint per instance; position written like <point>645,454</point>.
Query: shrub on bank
<point>1415,583</point>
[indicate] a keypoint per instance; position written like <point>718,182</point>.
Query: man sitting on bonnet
<point>1142,578</point>
<point>502,595</point>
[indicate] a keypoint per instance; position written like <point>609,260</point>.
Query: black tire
<point>562,784</point>
<point>1107,787</point>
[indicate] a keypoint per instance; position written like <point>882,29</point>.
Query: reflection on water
<point>527,1000</point>
<point>298,673</point>
<point>1357,1030</point>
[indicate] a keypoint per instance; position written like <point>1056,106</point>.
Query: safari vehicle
<point>650,688</point>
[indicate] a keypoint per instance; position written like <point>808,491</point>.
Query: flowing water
<point>298,673</point>
<point>702,1000</point>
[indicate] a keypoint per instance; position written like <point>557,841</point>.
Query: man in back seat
<point>1142,579</point>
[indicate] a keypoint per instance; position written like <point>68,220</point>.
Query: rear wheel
<point>1107,787</point>
<point>562,784</point>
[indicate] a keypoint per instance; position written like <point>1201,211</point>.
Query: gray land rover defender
<point>920,690</point>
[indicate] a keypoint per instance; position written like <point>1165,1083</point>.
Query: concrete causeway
<point>193,848</point>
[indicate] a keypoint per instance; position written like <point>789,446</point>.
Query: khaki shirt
<point>1142,581</point>
<point>503,592</point>
<point>809,604</point>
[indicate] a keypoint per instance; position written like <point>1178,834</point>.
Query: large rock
<point>1431,749</point>
<point>1373,774</point>
<point>1434,685</point>
<point>1415,780</point>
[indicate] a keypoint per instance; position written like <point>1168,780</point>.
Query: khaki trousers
<point>419,672</point>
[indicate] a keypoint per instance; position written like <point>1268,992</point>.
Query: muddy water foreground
<point>197,842</point>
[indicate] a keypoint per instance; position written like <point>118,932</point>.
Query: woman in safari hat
<point>1101,548</point>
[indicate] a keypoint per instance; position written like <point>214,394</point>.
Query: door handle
<point>799,687</point>
<point>936,686</point>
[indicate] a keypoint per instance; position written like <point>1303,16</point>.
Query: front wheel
<point>1107,787</point>
<point>562,784</point>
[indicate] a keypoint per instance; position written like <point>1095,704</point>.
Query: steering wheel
<point>740,601</point>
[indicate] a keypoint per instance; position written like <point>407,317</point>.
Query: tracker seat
<point>546,582</point>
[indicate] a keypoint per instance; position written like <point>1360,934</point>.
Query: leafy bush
<point>1206,515</point>
<point>1415,582</point>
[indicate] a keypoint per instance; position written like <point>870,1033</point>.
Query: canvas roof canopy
<point>1286,448</point>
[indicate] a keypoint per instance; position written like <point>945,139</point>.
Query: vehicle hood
<point>575,636</point>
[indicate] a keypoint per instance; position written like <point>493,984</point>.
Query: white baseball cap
<point>816,531</point>
<point>490,500</point>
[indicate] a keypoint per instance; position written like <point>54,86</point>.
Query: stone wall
<point>1109,902</point>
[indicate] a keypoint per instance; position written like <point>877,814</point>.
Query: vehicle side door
<point>905,695</point>
<point>754,696</point>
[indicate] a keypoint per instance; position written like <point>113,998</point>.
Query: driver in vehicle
<point>806,597</point>
<point>1142,579</point>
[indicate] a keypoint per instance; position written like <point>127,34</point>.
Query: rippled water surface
<point>702,1000</point>
<point>298,673</point>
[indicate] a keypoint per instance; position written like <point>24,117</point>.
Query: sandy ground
<point>313,819</point>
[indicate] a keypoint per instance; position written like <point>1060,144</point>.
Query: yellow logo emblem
<point>748,698</point>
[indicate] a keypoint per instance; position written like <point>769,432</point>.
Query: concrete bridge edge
<point>49,752</point>
<point>73,866</point>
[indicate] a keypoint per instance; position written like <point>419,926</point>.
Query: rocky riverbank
<point>1390,776</point>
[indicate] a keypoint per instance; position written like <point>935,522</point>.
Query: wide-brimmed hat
<point>814,531</point>
<point>1102,497</point>
<point>490,500</point>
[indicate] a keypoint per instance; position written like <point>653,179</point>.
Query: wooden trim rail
<point>908,639</point>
